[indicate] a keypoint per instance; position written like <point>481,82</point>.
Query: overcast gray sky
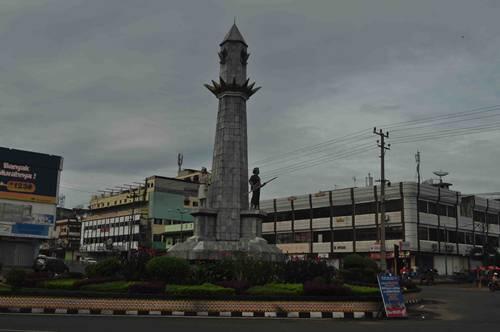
<point>116,86</point>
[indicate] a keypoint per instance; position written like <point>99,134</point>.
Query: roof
<point>234,34</point>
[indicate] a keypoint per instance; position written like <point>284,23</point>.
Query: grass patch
<point>111,287</point>
<point>198,290</point>
<point>363,290</point>
<point>277,289</point>
<point>4,288</point>
<point>59,284</point>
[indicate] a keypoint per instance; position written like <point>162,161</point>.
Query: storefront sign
<point>391,295</point>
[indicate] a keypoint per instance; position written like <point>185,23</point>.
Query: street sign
<point>391,295</point>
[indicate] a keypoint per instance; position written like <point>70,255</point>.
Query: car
<point>50,264</point>
<point>88,260</point>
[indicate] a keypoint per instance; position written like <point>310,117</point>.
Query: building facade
<point>136,218</point>
<point>431,225</point>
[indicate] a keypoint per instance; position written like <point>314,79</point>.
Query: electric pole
<point>417,160</point>
<point>383,148</point>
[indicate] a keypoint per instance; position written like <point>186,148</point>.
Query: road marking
<point>12,330</point>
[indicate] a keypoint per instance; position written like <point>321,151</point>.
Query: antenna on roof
<point>441,174</point>
<point>180,159</point>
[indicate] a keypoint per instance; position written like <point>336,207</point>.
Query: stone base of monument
<point>206,244</point>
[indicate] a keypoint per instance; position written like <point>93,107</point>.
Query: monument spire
<point>226,224</point>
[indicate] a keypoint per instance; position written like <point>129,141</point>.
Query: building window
<point>422,207</point>
<point>423,233</point>
<point>195,203</point>
<point>492,219</point>
<point>302,237</point>
<point>186,202</point>
<point>452,211</point>
<point>285,238</point>
<point>343,235</point>
<point>479,216</point>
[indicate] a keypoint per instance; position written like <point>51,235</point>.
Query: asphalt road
<point>449,308</point>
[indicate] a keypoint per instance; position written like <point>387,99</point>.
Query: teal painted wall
<point>164,206</point>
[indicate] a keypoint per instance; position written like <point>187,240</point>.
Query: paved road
<point>450,308</point>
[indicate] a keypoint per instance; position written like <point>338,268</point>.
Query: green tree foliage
<point>110,267</point>
<point>168,269</point>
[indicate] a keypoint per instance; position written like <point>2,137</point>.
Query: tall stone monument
<point>226,227</point>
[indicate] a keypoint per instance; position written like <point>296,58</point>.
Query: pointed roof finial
<point>234,35</point>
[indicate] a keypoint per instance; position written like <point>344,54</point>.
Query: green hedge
<point>277,289</point>
<point>59,284</point>
<point>4,288</point>
<point>168,269</point>
<point>111,287</point>
<point>198,290</point>
<point>364,290</point>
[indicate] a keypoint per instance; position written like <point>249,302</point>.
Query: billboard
<point>29,176</point>
<point>26,219</point>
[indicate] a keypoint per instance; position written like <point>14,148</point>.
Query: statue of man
<point>203,188</point>
<point>255,186</point>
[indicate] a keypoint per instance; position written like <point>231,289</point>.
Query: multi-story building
<point>65,241</point>
<point>431,225</point>
<point>136,218</point>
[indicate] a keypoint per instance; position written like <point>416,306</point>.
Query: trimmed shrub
<point>110,267</point>
<point>315,288</point>
<point>358,261</point>
<point>135,268</point>
<point>75,275</point>
<point>59,284</point>
<point>275,289</point>
<point>198,290</point>
<point>168,269</point>
<point>157,287</point>
<point>364,290</point>
<point>300,271</point>
<point>239,286</point>
<point>120,286</point>
<point>91,281</point>
<point>360,269</point>
<point>16,278</point>
<point>33,279</point>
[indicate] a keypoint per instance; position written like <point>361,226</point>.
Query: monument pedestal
<point>206,244</point>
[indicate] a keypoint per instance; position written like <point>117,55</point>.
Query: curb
<point>260,314</point>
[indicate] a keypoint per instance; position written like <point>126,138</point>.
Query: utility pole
<point>383,148</point>
<point>417,159</point>
<point>446,251</point>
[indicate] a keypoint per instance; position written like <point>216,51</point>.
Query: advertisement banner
<point>29,176</point>
<point>24,219</point>
<point>392,296</point>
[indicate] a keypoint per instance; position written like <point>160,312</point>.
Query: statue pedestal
<point>205,244</point>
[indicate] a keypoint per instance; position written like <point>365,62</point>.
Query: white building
<point>433,226</point>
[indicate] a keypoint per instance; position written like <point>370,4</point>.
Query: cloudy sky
<point>116,87</point>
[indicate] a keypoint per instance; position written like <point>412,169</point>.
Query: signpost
<point>394,304</point>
